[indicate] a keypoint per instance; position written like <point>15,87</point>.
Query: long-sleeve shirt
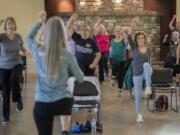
<point>138,58</point>
<point>57,89</point>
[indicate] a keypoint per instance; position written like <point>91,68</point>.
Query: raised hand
<point>74,16</point>
<point>42,16</point>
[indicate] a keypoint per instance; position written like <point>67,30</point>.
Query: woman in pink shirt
<point>102,39</point>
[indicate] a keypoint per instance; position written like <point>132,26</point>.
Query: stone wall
<point>148,24</point>
<point>113,14</point>
<point>109,5</point>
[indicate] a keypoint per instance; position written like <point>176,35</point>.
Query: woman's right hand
<point>1,21</point>
<point>42,16</point>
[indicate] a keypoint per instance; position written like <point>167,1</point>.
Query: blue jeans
<point>138,82</point>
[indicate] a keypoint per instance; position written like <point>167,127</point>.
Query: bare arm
<point>171,22</point>
<point>165,38</point>
<point>69,25</point>
<point>96,60</point>
<point>133,23</point>
<point>96,25</point>
<point>23,51</point>
<point>177,54</point>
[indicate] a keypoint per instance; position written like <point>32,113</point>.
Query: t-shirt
<point>85,49</point>
<point>138,58</point>
<point>118,50</point>
<point>9,51</point>
<point>103,42</point>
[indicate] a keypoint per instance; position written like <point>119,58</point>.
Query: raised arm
<point>69,25</point>
<point>133,23</point>
<point>35,29</point>
<point>131,43</point>
<point>165,38</point>
<point>171,22</point>
<point>96,25</point>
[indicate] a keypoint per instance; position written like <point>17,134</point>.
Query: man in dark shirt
<point>86,50</point>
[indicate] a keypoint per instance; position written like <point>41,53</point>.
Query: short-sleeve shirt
<point>9,51</point>
<point>85,49</point>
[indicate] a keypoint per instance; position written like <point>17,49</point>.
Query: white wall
<point>25,13</point>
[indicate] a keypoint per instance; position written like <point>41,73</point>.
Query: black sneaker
<point>65,133</point>
<point>86,128</point>
<point>19,106</point>
<point>5,122</point>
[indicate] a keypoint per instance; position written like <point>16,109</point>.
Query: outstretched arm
<point>171,22</point>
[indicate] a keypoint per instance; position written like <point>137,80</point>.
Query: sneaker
<point>86,128</point>
<point>65,133</point>
<point>76,128</point>
<point>139,119</point>
<point>113,82</point>
<point>119,93</point>
<point>19,106</point>
<point>148,91</point>
<point>5,122</point>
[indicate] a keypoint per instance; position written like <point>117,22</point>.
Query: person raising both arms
<point>102,38</point>
<point>11,44</point>
<point>54,67</point>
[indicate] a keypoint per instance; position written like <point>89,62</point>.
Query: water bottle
<point>93,127</point>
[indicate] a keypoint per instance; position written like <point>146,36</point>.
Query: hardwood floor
<point>118,116</point>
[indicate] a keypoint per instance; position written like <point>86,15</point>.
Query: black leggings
<point>10,79</point>
<point>103,66</point>
<point>118,70</point>
<point>44,114</point>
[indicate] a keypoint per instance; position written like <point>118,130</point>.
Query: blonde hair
<point>55,40</point>
<point>84,26</point>
<point>101,29</point>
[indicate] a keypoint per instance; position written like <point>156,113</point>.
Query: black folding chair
<point>87,89</point>
<point>162,82</point>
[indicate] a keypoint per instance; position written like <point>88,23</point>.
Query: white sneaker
<point>113,82</point>
<point>148,91</point>
<point>139,119</point>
